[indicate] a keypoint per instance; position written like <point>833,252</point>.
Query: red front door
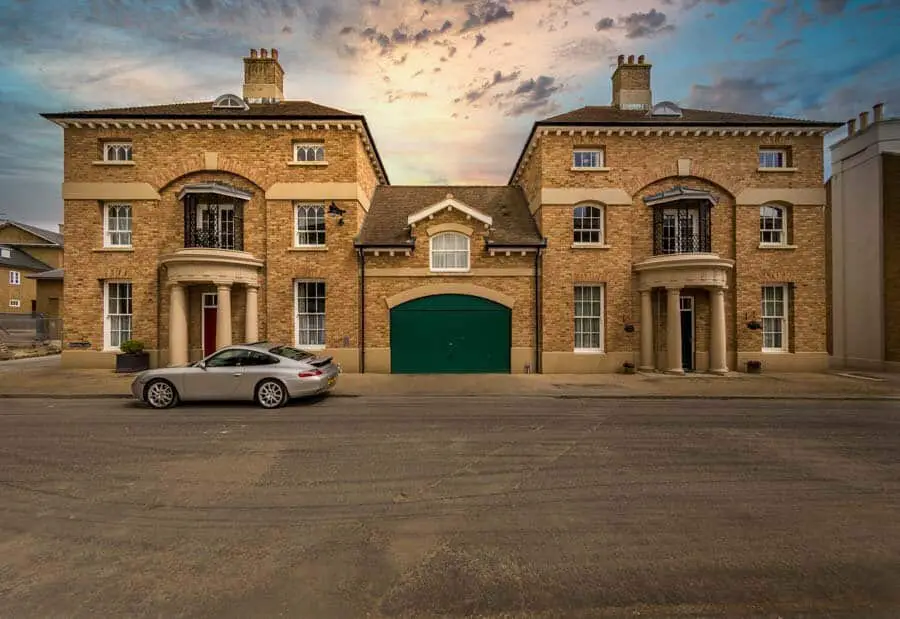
<point>209,323</point>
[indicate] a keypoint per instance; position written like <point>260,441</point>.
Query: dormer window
<point>117,151</point>
<point>230,102</point>
<point>666,108</point>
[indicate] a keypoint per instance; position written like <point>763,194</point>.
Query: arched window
<point>588,226</point>
<point>772,225</point>
<point>310,229</point>
<point>449,252</point>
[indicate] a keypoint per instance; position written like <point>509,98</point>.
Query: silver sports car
<point>267,373</point>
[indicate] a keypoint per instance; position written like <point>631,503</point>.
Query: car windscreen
<point>291,353</point>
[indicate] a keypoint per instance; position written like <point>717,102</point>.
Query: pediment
<point>449,204</point>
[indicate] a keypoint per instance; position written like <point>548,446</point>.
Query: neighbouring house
<point>636,232</point>
<point>864,194</point>
<point>25,251</point>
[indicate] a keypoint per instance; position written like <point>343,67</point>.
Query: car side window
<point>258,358</point>
<point>228,359</point>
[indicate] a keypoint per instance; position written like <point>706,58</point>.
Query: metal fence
<point>18,330</point>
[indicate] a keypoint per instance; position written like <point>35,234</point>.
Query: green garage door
<point>450,333</point>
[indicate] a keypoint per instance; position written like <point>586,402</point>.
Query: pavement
<point>43,377</point>
<point>426,507</point>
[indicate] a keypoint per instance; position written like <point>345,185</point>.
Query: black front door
<point>687,333</point>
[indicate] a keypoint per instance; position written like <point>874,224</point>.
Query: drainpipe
<point>362,310</point>
<point>159,269</point>
<point>537,311</point>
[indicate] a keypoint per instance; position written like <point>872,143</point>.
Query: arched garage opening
<point>450,334</point>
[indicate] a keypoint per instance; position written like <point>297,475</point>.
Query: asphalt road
<point>427,507</point>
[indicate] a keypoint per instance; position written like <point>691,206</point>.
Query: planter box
<point>132,362</point>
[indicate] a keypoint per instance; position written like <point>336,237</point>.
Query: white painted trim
<point>449,203</point>
<point>296,231</point>
<point>106,207</point>
<point>465,269</point>
<point>105,312</point>
<point>785,326</point>
<point>203,308</point>
<point>294,290</point>
<point>603,313</point>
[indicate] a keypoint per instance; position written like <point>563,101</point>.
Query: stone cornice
<point>276,124</point>
<point>686,130</point>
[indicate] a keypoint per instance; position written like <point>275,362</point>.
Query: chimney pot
<point>274,53</point>
<point>851,126</point>
<point>631,59</point>
<point>878,112</point>
<point>263,52</point>
<point>863,120</point>
<point>621,59</point>
<point>641,59</point>
<point>253,53</point>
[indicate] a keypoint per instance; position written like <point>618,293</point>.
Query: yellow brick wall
<point>25,292</point>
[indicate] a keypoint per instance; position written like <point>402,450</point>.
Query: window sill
<point>588,351</point>
<point>776,169</point>
<point>308,163</point>
<point>311,347</point>
<point>600,169</point>
<point>308,248</point>
<point>114,249</point>
<point>590,246</point>
<point>775,351</point>
<point>776,246</point>
<point>451,271</point>
<point>113,163</point>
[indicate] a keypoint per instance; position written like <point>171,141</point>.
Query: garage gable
<point>449,203</point>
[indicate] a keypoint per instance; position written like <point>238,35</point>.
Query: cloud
<point>605,24</point>
<point>533,95</point>
<point>475,94</point>
<point>640,25</point>
<point>479,39</point>
<point>484,13</point>
<point>787,43</point>
<point>748,95</point>
<point>831,7</point>
<point>396,95</point>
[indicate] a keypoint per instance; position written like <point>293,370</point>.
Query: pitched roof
<point>205,109</point>
<point>386,222</point>
<point>54,238</point>
<point>18,259</point>
<point>608,115</point>
<point>51,274</point>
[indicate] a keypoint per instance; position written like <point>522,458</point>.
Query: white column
<point>673,331</point>
<point>718,363</point>
<point>251,315</point>
<point>648,363</point>
<point>178,325</point>
<point>223,316</point>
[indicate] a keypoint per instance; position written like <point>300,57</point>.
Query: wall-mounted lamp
<point>339,212</point>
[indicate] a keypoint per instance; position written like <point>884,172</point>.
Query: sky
<point>450,88</point>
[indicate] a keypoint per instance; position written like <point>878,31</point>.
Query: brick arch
<point>670,172</point>
<point>191,164</point>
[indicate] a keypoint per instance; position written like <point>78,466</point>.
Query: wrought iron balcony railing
<point>212,224</point>
<point>681,231</point>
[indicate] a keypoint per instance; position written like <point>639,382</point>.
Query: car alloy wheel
<point>271,394</point>
<point>160,394</point>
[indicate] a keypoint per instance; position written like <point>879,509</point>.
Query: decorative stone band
<point>809,196</point>
<point>108,191</point>
<point>238,125</point>
<point>660,131</point>
<point>433,289</point>
<point>318,191</point>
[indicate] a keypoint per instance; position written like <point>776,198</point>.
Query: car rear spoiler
<point>320,361</point>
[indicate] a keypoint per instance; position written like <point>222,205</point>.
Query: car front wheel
<point>271,394</point>
<point>160,393</point>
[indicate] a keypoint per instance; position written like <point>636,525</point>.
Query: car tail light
<point>310,374</point>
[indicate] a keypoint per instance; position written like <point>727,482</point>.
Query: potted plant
<point>754,367</point>
<point>133,358</point>
<point>628,367</point>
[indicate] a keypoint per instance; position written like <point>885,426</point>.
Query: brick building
<point>26,253</point>
<point>864,196</point>
<point>634,232</point>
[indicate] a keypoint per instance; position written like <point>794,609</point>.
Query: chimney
<point>851,126</point>
<point>263,77</point>
<point>877,113</point>
<point>631,84</point>
<point>863,120</point>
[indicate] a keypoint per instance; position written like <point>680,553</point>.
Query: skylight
<point>230,102</point>
<point>665,108</point>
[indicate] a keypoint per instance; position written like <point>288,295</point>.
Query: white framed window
<point>117,225</point>
<point>5,252</point>
<point>775,318</point>
<point>15,303</point>
<point>117,151</point>
<point>588,224</point>
<point>216,225</point>
<point>680,231</point>
<point>309,152</point>
<point>449,252</point>
<point>309,228</point>
<point>588,158</point>
<point>589,303</point>
<point>773,158</point>
<point>310,313</point>
<point>15,278</point>
<point>116,313</point>
<point>772,229</point>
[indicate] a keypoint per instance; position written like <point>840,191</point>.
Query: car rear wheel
<point>271,394</point>
<point>160,393</point>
